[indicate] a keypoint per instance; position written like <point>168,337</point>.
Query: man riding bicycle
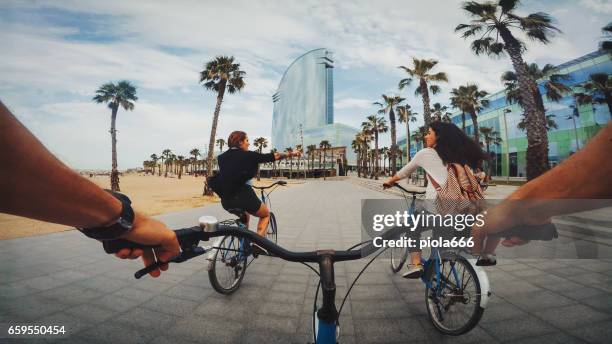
<point>237,167</point>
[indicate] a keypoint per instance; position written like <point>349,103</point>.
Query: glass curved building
<point>304,105</point>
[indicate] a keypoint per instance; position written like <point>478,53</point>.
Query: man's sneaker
<point>414,271</point>
<point>486,259</point>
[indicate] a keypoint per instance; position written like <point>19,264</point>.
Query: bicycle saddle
<point>241,213</point>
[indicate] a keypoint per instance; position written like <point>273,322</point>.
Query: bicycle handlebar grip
<point>114,246</point>
<point>142,272</point>
<point>282,182</point>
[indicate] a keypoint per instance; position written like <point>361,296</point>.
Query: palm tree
<point>289,150</point>
<point>375,125</point>
<point>597,90</point>
<point>115,95</point>
<point>419,136</point>
<point>440,113</point>
<point>471,100</point>
<point>219,75</point>
<point>166,154</point>
<point>364,137</point>
<point>181,160</point>
<point>406,115</point>
<point>421,71</point>
<point>456,102</point>
<point>195,153</point>
<point>260,143</point>
<point>220,144</point>
<point>310,151</point>
<point>492,24</point>
<point>552,84</point>
<point>384,152</point>
<point>490,136</point>
<point>154,159</point>
<point>357,146</point>
<point>324,146</point>
<point>388,105</point>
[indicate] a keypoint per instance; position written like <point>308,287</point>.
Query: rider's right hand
<point>148,231</point>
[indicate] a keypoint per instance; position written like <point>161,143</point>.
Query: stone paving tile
<point>595,333</point>
<point>91,313</point>
<point>517,328</point>
<point>571,316</point>
<point>539,300</point>
<point>146,319</point>
<point>170,305</point>
<point>114,332</point>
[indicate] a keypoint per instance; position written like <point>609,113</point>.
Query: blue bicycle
<point>456,290</point>
<point>230,259</point>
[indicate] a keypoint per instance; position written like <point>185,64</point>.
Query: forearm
<point>35,184</point>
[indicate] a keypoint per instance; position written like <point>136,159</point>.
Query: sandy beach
<point>151,195</point>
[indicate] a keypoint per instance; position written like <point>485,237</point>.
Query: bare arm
<point>35,184</point>
<point>584,175</point>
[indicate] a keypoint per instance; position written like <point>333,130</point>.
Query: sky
<point>57,53</point>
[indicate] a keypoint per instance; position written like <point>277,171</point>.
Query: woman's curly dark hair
<point>454,146</point>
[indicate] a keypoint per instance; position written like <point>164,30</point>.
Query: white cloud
<point>49,79</point>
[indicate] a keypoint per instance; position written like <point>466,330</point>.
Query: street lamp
<point>507,143</point>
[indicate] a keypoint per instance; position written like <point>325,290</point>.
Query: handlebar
<point>190,237</point>
<point>280,182</point>
<point>413,192</point>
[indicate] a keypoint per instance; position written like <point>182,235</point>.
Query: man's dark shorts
<point>245,199</point>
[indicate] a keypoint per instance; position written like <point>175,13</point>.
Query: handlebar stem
<point>328,312</point>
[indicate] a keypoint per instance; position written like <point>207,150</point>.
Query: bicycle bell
<point>208,223</point>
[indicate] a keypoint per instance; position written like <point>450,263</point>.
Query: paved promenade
<point>67,279</point>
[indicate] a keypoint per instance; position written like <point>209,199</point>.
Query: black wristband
<point>121,226</point>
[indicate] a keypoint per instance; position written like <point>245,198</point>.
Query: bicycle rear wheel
<point>228,265</point>
<point>398,256</point>
<point>453,298</point>
<point>271,232</point>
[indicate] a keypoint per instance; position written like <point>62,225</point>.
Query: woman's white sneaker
<point>414,271</point>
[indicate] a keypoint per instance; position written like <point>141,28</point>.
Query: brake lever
<point>183,256</point>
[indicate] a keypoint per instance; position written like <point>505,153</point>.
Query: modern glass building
<point>304,105</point>
<point>576,124</point>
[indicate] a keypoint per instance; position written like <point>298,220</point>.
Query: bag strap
<point>433,182</point>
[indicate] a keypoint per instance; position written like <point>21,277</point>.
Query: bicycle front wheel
<point>398,256</point>
<point>228,265</point>
<point>453,296</point>
<point>271,232</point>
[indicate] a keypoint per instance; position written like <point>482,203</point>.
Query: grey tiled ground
<point>66,278</point>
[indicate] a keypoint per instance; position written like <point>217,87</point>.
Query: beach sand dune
<point>151,195</point>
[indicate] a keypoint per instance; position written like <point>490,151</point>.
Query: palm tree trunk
<point>535,119</point>
<point>377,165</point>
<point>407,141</point>
<point>213,131</point>
<point>474,117</point>
<point>426,109</point>
<point>463,121</point>
<point>393,158</point>
<point>324,170</point>
<point>114,178</point>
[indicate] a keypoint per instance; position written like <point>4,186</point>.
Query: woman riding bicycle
<point>446,143</point>
<point>237,166</point>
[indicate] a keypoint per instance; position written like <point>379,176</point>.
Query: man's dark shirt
<point>236,167</point>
